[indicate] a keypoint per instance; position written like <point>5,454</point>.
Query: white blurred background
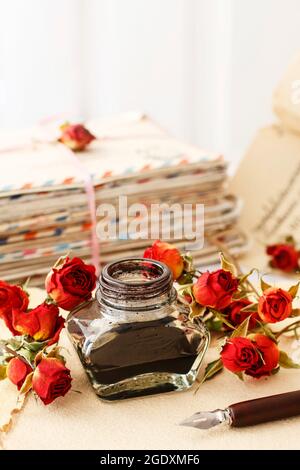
<point>205,69</point>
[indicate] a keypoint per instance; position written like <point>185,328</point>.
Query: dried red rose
<point>71,283</point>
<point>256,355</point>
<point>284,257</point>
<point>167,254</point>
<point>236,316</point>
<point>239,354</point>
<point>215,289</point>
<point>76,136</point>
<point>274,305</point>
<point>269,356</point>
<point>17,371</point>
<point>11,297</point>
<point>41,323</point>
<point>51,379</point>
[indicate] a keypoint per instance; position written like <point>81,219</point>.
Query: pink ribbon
<point>91,198</point>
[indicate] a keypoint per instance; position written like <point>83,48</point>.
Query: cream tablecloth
<point>82,421</point>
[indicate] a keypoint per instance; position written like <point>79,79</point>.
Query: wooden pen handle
<point>262,410</point>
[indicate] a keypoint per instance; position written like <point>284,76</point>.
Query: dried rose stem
<point>290,327</point>
<point>233,260</point>
<point>8,350</point>
<point>4,347</point>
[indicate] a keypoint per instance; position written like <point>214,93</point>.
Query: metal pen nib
<point>207,419</point>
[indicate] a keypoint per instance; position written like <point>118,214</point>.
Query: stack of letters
<point>142,183</point>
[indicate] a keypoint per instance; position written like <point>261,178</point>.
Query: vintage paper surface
<point>126,146</point>
<point>268,181</point>
<point>82,421</point>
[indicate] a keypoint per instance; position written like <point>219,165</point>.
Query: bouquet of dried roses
<point>233,308</point>
<point>224,299</point>
<point>32,359</point>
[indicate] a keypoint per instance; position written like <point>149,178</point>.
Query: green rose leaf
<point>212,369</point>
<point>221,317</point>
<point>275,371</point>
<point>268,332</point>
<point>55,352</point>
<point>187,262</point>
<point>34,346</point>
<point>286,362</point>
<point>2,372</point>
<point>196,310</point>
<point>27,385</point>
<point>294,290</point>
<point>242,329</point>
<point>16,342</point>
<point>185,278</point>
<point>242,294</point>
<point>226,265</point>
<point>243,278</point>
<point>250,308</point>
<point>289,239</point>
<point>28,355</point>
<point>213,324</point>
<point>240,375</point>
<point>295,312</point>
<point>264,285</point>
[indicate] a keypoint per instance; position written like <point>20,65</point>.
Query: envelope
<point>286,98</point>
<point>268,181</point>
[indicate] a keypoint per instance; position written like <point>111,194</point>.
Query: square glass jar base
<point>143,385</point>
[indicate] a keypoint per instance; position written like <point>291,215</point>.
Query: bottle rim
<point>146,266</point>
<point>133,281</point>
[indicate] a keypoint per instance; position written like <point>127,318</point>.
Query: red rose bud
<point>71,283</point>
<point>284,257</point>
<point>256,355</point>
<point>76,136</point>
<point>239,354</point>
<point>215,289</point>
<point>42,323</point>
<point>167,254</point>
<point>188,298</point>
<point>269,356</point>
<point>11,297</point>
<point>17,371</point>
<point>51,379</point>
<point>274,305</point>
<point>236,316</point>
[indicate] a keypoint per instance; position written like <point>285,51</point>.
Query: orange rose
<point>167,254</point>
<point>274,305</point>
<point>71,283</point>
<point>42,323</point>
<point>51,379</point>
<point>76,136</point>
<point>17,371</point>
<point>215,289</point>
<point>11,297</point>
